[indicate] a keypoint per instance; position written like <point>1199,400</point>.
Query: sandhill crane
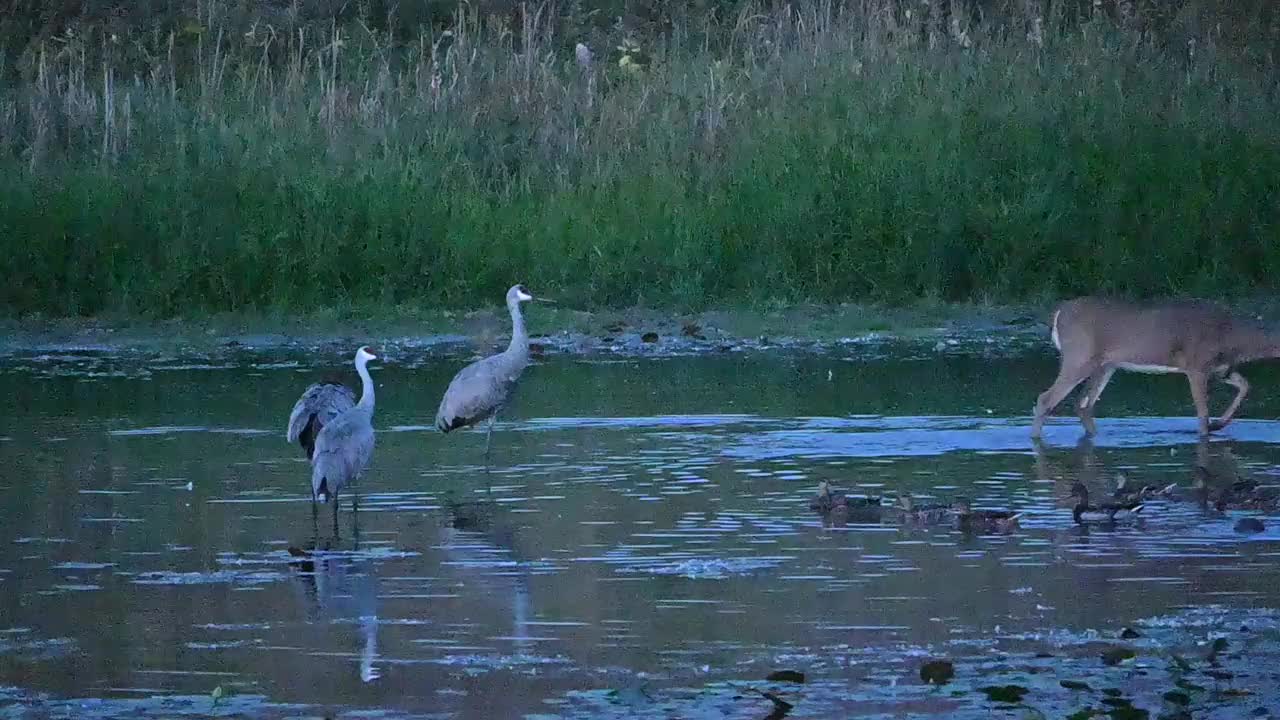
<point>482,389</point>
<point>320,403</point>
<point>345,444</point>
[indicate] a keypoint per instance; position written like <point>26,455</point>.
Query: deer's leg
<point>1069,376</point>
<point>1241,385</point>
<point>1200,396</point>
<point>1097,383</point>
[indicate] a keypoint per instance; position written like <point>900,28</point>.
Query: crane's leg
<point>355,510</point>
<point>488,439</point>
<point>335,516</point>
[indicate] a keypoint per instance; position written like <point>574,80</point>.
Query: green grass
<point>822,155</point>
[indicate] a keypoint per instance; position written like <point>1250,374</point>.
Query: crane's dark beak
<point>544,300</point>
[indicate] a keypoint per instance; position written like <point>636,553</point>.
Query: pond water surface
<point>641,545</point>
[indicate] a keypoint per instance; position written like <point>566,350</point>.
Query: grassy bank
<point>818,152</point>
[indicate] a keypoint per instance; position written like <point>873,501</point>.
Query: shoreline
<point>925,328</point>
<point>554,330</point>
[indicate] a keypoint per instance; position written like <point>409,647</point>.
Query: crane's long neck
<point>519,346</point>
<point>366,385</point>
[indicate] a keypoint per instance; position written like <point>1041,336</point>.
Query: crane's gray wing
<point>323,401</point>
<point>476,392</point>
<point>343,449</point>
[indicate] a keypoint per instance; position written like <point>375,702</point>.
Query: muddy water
<point>641,543</point>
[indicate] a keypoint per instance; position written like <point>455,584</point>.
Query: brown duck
<point>1084,511</point>
<point>987,522</point>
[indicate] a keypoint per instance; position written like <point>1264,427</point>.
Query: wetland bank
<point>641,545</point>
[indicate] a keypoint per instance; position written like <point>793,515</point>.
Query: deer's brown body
<point>1198,339</point>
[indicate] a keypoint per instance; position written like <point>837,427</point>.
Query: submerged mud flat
<point>642,544</point>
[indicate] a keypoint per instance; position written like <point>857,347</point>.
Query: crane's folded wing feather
<point>325,401</point>
<point>475,393</point>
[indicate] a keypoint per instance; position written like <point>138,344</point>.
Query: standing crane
<point>482,389</point>
<point>345,444</point>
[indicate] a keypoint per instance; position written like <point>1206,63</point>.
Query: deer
<point>1202,340</point>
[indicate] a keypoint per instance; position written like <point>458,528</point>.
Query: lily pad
<point>1116,655</point>
<point>937,672</point>
<point>1075,685</point>
<point>1011,694</point>
<point>790,676</point>
<point>1235,692</point>
<point>1128,712</point>
<point>1189,686</point>
<point>649,337</point>
<point>1130,634</point>
<point>1176,697</point>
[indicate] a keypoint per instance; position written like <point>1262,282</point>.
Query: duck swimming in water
<point>828,499</point>
<point>1256,499</point>
<point>1249,526</point>
<point>1084,511</point>
<point>988,522</point>
<point>910,512</point>
<point>1126,493</point>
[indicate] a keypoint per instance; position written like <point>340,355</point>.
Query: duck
<point>1241,494</point>
<point>1255,499</point>
<point>828,499</point>
<point>1198,493</point>
<point>1125,494</point>
<point>1084,511</point>
<point>1249,526</point>
<point>988,522</point>
<point>910,512</point>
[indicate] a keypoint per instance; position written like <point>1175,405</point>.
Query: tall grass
<point>818,151</point>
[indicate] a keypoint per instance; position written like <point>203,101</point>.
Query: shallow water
<point>642,543</point>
